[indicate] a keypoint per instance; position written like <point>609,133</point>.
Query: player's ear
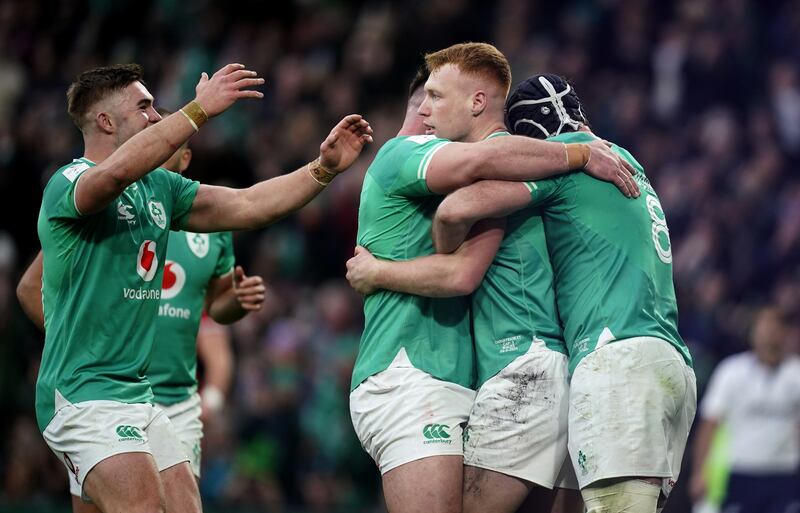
<point>104,122</point>
<point>479,101</point>
<point>186,158</point>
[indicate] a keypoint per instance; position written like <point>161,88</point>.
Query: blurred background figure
<point>703,92</point>
<point>755,395</point>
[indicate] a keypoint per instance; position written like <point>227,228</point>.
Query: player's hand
<point>345,142</point>
<point>361,271</point>
<point>227,85</point>
<point>250,290</point>
<point>606,165</point>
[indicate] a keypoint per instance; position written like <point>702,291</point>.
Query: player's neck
<point>97,150</point>
<point>481,132</point>
<point>412,123</point>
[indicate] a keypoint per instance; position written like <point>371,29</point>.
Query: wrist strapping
<point>213,398</point>
<point>320,173</point>
<point>195,114</point>
<point>577,155</point>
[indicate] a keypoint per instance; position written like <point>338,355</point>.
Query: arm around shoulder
<point>462,209</point>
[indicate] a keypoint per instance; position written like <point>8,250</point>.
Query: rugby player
<point>199,274</point>
<point>632,390</point>
<point>413,378</point>
<point>103,226</point>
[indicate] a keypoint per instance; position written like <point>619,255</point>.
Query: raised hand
<point>250,290</point>
<point>606,165</point>
<point>216,94</point>
<point>345,142</point>
<point>361,271</point>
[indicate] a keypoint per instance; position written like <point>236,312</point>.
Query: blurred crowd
<point>705,93</point>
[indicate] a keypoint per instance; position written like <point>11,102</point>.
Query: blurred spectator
<point>755,395</point>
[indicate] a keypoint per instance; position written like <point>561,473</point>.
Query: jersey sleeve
<point>58,200</point>
<point>717,397</point>
<point>545,192</point>
<point>226,258</point>
<point>183,193</point>
<point>413,155</point>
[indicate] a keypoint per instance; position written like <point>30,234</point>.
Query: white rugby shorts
<point>632,403</point>
<point>403,414</point>
<point>518,423</point>
<point>83,434</point>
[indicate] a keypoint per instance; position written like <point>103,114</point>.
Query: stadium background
<point>704,92</point>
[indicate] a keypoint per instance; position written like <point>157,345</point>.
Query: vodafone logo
<point>174,279</point>
<point>147,261</point>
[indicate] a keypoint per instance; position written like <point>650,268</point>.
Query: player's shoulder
<point>70,172</point>
<point>161,175</point>
<point>398,151</point>
<point>406,144</point>
<point>63,180</point>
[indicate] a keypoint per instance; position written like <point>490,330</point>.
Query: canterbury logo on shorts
<point>436,433</point>
<point>129,433</point>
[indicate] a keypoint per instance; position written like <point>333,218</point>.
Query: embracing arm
<point>100,185</point>
<point>520,158</point>
<point>29,292</point>
<point>456,274</point>
<point>462,209</point>
<point>217,209</point>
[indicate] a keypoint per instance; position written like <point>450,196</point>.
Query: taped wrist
<point>213,398</point>
<point>577,155</point>
<point>320,173</point>
<point>195,114</point>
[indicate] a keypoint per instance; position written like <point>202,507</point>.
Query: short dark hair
<point>419,80</point>
<point>94,85</point>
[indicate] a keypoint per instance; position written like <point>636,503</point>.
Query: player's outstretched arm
<point>218,209</point>
<point>520,158</point>
<point>29,292</point>
<point>456,274</point>
<point>234,295</point>
<point>462,209</point>
<point>102,184</point>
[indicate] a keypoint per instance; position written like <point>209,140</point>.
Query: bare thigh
<point>490,491</point>
<point>126,483</point>
<point>182,494</point>
<point>428,485</point>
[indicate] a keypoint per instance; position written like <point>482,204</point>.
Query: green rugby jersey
<point>612,259</point>
<point>394,223</point>
<point>193,259</point>
<point>515,304</point>
<point>101,286</point>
